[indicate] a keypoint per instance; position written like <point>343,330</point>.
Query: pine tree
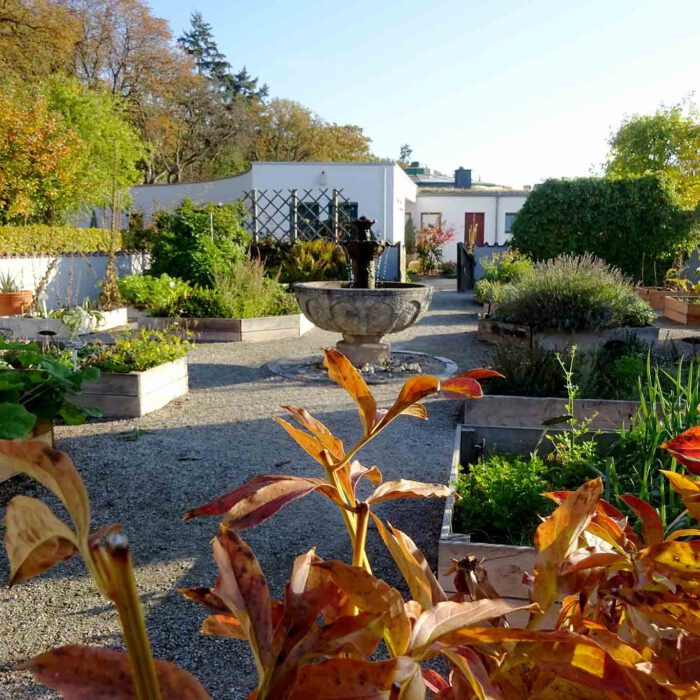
<point>199,43</point>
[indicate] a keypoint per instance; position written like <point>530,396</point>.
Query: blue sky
<point>518,91</point>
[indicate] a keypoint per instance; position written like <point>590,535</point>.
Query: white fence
<point>71,278</point>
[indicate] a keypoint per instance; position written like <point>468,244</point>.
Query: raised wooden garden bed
<point>682,309</point>
<point>39,328</point>
<point>234,330</point>
<point>135,394</point>
<point>497,331</point>
<point>532,411</point>
<point>505,564</point>
<point>654,296</point>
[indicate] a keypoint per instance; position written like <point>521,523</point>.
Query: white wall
<point>73,278</point>
<point>379,189</point>
<point>152,198</point>
<point>452,206</point>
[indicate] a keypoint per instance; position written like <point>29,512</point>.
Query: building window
<point>309,219</point>
<point>347,212</point>
<point>430,218</point>
<point>510,218</point>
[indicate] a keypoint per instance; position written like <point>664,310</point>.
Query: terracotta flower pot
<point>15,303</point>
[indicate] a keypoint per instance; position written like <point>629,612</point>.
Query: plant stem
<point>358,550</point>
<point>123,590</point>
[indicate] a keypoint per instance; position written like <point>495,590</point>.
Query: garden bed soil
<point>504,564</point>
<point>135,394</point>
<point>533,411</point>
<point>234,330</point>
<point>497,331</point>
<point>681,311</point>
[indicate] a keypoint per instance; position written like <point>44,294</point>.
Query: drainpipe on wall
<point>498,218</point>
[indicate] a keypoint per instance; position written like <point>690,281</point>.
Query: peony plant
<point>613,610</point>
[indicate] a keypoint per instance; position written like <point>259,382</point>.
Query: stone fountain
<point>363,310</point>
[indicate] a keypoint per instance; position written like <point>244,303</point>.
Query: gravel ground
<point>200,447</point>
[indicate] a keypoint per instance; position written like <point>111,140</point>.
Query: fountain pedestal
<point>363,316</point>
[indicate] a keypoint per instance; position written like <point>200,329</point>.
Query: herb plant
<point>573,294</point>
<point>135,352</point>
<point>500,498</point>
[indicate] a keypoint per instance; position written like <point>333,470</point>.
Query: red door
<point>474,218</point>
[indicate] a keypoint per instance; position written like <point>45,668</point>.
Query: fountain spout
<point>363,249</point>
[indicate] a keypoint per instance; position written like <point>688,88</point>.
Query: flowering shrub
<point>429,243</point>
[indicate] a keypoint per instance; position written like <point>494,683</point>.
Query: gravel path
<point>200,447</point>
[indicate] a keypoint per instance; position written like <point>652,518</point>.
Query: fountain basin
<point>363,316</point>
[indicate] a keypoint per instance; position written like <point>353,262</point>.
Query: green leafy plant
<point>505,267</point>
<point>38,386</point>
<point>157,293</point>
<point>500,498</point>
<point>613,613</point>
<point>8,283</point>
<point>572,294</point>
<point>136,352</point>
<point>197,242</point>
<point>314,261</point>
<point>448,268</point>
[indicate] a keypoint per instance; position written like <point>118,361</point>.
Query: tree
<point>667,141</point>
<point>405,153</point>
<point>199,43</point>
<point>108,140</point>
<point>37,38</point>
<point>635,224</point>
<point>58,143</point>
<point>39,160</point>
<point>288,131</point>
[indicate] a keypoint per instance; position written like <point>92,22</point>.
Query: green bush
<point>573,293</point>
<point>135,352</point>
<point>501,498</point>
<point>153,292</point>
<point>185,246</point>
<point>505,267</point>
<point>637,225</point>
<point>242,291</point>
<point>314,261</point>
<point>39,238</point>
<point>486,291</point>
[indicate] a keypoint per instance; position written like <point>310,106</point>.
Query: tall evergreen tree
<point>199,43</point>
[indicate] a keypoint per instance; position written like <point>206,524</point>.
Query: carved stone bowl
<point>363,316</point>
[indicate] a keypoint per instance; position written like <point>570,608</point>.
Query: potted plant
<point>13,300</point>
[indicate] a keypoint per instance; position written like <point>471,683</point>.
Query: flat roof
<point>471,192</point>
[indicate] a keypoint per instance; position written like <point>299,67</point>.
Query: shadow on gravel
<point>148,483</point>
<point>212,376</point>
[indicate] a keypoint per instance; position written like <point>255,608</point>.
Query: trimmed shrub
<point>636,224</point>
<point>573,293</point>
<point>37,239</point>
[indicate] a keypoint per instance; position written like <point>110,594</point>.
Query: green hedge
<point>37,239</point>
<point>635,224</point>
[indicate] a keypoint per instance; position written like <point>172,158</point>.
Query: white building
<point>460,203</point>
<point>381,191</point>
